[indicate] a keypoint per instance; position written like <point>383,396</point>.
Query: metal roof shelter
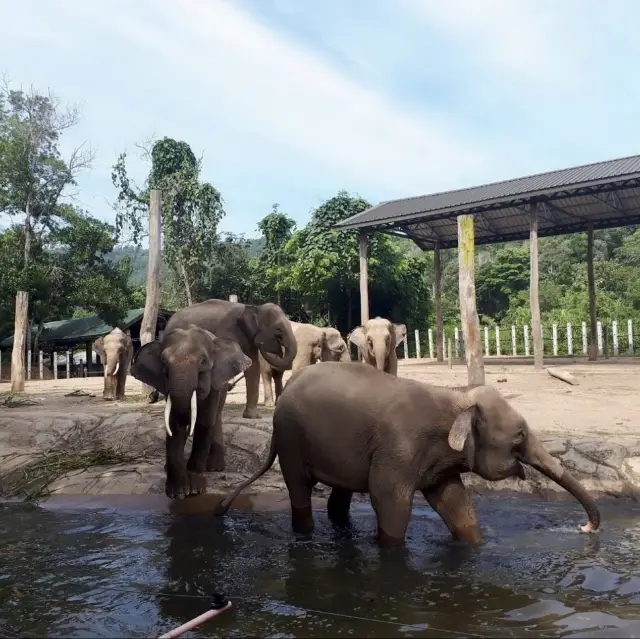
<point>85,329</point>
<point>583,198</point>
<point>603,194</point>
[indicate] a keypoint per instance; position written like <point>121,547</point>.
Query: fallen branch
<point>563,376</point>
<point>15,401</point>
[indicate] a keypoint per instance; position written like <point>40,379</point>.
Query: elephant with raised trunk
<point>315,344</point>
<point>262,329</point>
<point>115,350</point>
<point>191,367</point>
<point>357,429</point>
<point>377,340</point>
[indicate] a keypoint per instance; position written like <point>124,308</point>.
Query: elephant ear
<point>462,428</point>
<point>98,347</point>
<point>249,321</point>
<point>229,361</point>
<point>401,332</point>
<point>147,367</point>
<point>357,337</point>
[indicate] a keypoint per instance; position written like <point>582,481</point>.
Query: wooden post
<point>526,340</point>
<point>68,363</point>
<point>54,360</point>
<point>417,336</point>
<point>630,335</point>
<point>456,341</point>
<point>498,350</point>
<point>468,310</point>
<point>150,317</point>
<point>614,337</point>
<point>233,298</point>
<point>437,274</point>
<point>487,352</point>
<point>584,338</point>
<point>569,339</point>
<point>449,358</point>
<point>554,338</point>
<point>29,364</point>
<point>406,349</point>
<point>430,335</point>
<point>40,364</point>
<point>364,279</point>
<point>514,342</point>
<point>593,332</point>
<point>536,327</point>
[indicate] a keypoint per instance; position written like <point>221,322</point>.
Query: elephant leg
<point>277,380</point>
<point>267,375</point>
<point>121,380</point>
<point>392,363</point>
<point>338,506</point>
<point>109,387</point>
<point>215,460</point>
<point>177,483</point>
<point>451,500</point>
<point>392,501</point>
<point>252,380</point>
<point>299,485</point>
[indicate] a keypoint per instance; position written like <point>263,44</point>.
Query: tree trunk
<point>150,317</point>
<point>364,279</point>
<point>185,281</point>
<point>437,286</point>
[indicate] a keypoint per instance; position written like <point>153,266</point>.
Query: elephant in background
<point>259,330</point>
<point>191,367</point>
<point>377,341</point>
<point>315,344</point>
<point>115,350</point>
<point>356,429</point>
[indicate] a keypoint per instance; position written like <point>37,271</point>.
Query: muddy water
<point>137,568</point>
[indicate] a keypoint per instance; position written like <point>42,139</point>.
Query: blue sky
<point>292,100</point>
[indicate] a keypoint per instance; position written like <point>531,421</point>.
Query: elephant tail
<point>224,505</point>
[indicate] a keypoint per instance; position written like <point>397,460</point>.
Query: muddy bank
<point>118,449</point>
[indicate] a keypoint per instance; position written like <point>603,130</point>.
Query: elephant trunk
<point>380,353</point>
<point>345,356</point>
<point>289,345</point>
<point>113,364</point>
<point>183,403</point>
<point>540,459</point>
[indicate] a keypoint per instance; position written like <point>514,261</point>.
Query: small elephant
<point>191,367</point>
<point>377,341</point>
<point>260,330</point>
<point>315,344</point>
<point>115,350</point>
<point>356,429</point>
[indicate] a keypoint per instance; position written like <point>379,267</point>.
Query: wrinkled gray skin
<point>378,339</point>
<point>115,350</point>
<point>315,344</point>
<point>188,361</point>
<point>262,329</point>
<point>358,429</point>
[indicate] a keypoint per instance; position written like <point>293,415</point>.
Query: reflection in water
<point>127,572</point>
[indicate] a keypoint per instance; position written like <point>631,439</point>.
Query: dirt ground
<point>606,400</point>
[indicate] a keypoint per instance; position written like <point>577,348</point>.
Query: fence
<point>615,339</point>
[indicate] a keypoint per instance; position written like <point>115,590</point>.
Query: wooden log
<point>591,283</point>
<point>468,310</point>
<point>534,293</point>
<point>449,358</point>
<point>437,284</point>
<point>563,375</point>
<point>364,279</point>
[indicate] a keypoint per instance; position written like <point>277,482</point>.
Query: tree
<point>33,178</point>
<point>191,211</point>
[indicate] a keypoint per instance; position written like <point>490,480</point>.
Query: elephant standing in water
<point>191,367</point>
<point>358,429</point>
<point>377,340</point>
<point>315,344</point>
<point>115,350</point>
<point>260,330</point>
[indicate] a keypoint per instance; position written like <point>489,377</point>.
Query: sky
<point>290,101</point>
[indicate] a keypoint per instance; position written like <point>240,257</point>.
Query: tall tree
<point>33,178</point>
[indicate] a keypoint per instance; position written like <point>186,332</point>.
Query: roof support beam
<point>593,320</point>
<point>437,290</point>
<point>534,295</point>
<point>364,279</point>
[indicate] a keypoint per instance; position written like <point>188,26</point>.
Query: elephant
<point>357,429</point>
<point>315,344</point>
<point>115,350</point>
<point>191,367</point>
<point>377,340</point>
<point>260,330</point>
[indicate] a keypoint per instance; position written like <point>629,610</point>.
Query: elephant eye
<point>519,438</point>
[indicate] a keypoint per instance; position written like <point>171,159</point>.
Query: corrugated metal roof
<point>81,329</point>
<point>549,185</point>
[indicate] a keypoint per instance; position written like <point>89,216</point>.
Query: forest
<point>68,263</point>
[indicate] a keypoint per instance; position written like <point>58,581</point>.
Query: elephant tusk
<point>194,413</point>
<point>167,412</point>
<point>115,371</point>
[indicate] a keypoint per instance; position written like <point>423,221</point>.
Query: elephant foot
<point>302,520</point>
<point>120,398</point>
<point>387,541</point>
<point>216,464</point>
<point>153,397</point>
<point>107,398</point>
<point>269,403</point>
<point>251,413</point>
<point>338,506</point>
<point>186,485</point>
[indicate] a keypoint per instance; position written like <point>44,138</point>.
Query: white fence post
<point>40,364</point>
<point>444,341</point>
<point>569,339</point>
<point>526,340</point>
<point>68,364</point>
<point>456,342</point>
<point>54,364</point>
<point>630,335</point>
<point>584,338</point>
<point>498,353</point>
<point>514,346</point>
<point>430,333</point>
<point>599,325</point>
<point>405,347</point>
<point>614,330</point>
<point>417,333</point>
<point>486,341</point>
<point>29,364</point>
<point>554,338</point>
<point>233,298</point>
